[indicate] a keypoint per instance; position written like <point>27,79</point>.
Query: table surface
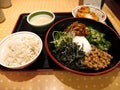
<point>52,79</point>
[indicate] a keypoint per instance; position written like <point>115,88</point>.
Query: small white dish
<point>100,13</point>
<point>20,49</point>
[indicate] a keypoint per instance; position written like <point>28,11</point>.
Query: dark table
<point>114,5</point>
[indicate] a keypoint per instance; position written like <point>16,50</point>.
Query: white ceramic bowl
<point>100,13</point>
<point>20,49</point>
<point>40,18</point>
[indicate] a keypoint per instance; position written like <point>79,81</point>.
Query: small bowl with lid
<point>40,20</point>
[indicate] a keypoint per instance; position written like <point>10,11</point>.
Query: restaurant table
<point>52,79</point>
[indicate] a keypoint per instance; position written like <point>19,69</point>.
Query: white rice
<point>19,49</point>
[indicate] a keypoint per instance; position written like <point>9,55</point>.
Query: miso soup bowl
<point>40,20</point>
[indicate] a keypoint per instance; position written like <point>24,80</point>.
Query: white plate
<point>101,14</point>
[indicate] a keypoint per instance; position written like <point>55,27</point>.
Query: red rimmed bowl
<point>111,36</point>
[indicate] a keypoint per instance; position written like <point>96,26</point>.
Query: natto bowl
<point>110,35</point>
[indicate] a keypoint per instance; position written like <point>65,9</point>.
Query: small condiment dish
<point>40,20</point>
<point>89,11</point>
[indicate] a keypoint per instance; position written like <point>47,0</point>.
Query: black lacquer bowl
<point>110,35</point>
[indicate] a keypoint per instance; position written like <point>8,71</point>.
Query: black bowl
<point>110,35</point>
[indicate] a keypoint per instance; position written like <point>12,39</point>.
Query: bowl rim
<point>71,70</point>
<point>91,6</point>
<point>40,11</point>
<point>29,62</point>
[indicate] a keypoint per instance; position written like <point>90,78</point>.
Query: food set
<point>79,42</point>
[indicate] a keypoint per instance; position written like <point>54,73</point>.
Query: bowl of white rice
<point>20,49</point>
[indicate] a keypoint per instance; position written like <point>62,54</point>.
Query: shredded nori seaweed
<point>70,55</point>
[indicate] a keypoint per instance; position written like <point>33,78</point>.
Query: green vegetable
<point>97,38</point>
<point>67,52</point>
<point>70,55</point>
<point>61,38</point>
